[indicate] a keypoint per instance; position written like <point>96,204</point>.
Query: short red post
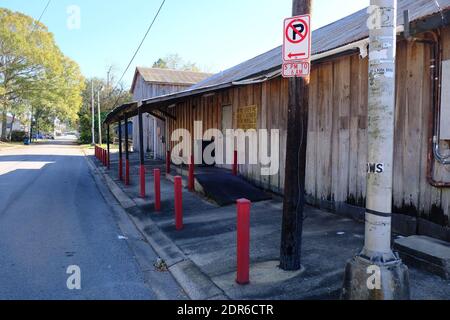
<point>127,172</point>
<point>243,241</point>
<point>178,203</point>
<point>157,178</point>
<point>96,152</point>
<point>168,161</point>
<point>235,163</point>
<point>191,183</point>
<point>104,157</point>
<point>142,174</point>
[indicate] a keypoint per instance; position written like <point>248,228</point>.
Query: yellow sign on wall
<point>247,118</point>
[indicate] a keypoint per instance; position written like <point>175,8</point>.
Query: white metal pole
<point>382,53</point>
<point>155,138</point>
<point>93,112</point>
<point>377,273</point>
<point>99,121</point>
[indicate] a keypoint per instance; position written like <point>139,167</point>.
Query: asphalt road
<point>53,216</point>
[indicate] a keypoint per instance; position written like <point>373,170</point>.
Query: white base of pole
<point>373,279</point>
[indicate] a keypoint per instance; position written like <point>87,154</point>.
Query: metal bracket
<point>407,25</point>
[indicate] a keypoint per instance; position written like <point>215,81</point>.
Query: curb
<point>191,279</point>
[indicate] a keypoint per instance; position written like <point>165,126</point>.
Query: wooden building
<point>153,82</point>
<point>337,139</point>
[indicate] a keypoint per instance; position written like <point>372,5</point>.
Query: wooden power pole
<point>294,190</point>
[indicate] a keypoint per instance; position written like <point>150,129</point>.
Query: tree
<point>110,97</point>
<point>34,72</point>
<point>175,62</point>
<point>161,64</point>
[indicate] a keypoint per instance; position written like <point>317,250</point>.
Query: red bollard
<point>96,152</point>
<point>191,182</point>
<point>157,178</point>
<point>243,241</point>
<point>178,203</point>
<point>142,174</point>
<point>127,172</point>
<point>235,164</point>
<point>168,161</point>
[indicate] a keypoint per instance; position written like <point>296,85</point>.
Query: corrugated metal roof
<point>342,32</point>
<point>335,35</point>
<point>168,76</point>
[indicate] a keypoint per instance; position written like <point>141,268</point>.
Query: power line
<point>138,48</point>
<point>42,14</point>
<point>43,11</point>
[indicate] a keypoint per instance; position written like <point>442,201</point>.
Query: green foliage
<point>34,72</point>
<point>161,64</point>
<point>109,99</point>
<point>175,62</point>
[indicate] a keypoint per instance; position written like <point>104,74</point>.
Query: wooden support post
<point>178,185</point>
<point>141,153</point>
<point>235,163</point>
<point>127,154</point>
<point>168,162</point>
<point>191,180</point>
<point>120,151</point>
<point>108,147</point>
<point>297,132</point>
<point>157,180</point>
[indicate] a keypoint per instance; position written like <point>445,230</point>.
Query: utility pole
<point>31,125</point>
<point>294,191</point>
<point>100,140</point>
<point>93,112</point>
<point>377,273</point>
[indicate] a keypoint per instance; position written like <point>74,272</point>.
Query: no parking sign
<point>297,46</point>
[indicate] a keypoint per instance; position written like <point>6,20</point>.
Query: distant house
<point>16,126</point>
<point>153,82</point>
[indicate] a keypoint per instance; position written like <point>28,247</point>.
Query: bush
<point>18,136</point>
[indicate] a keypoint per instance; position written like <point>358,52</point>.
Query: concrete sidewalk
<point>202,257</point>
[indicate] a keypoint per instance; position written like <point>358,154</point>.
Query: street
<point>53,216</point>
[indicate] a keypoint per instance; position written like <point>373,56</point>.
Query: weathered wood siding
<point>271,101</point>
<point>144,90</point>
<point>337,150</point>
<point>337,139</point>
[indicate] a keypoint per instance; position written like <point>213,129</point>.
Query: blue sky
<point>216,34</point>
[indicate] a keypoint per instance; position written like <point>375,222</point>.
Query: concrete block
<point>425,253</point>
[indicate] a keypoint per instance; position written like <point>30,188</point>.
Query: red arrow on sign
<point>291,55</point>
